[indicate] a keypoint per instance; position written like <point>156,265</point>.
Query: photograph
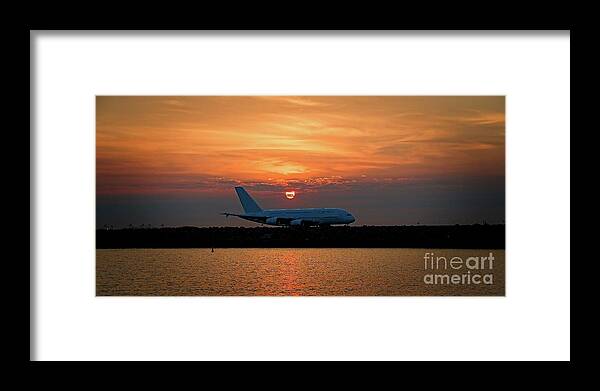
<point>324,195</point>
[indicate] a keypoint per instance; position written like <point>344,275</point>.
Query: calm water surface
<point>286,272</point>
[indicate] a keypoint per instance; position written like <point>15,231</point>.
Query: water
<point>291,272</point>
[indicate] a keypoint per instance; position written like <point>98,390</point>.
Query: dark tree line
<point>481,236</point>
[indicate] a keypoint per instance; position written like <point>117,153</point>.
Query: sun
<point>290,194</point>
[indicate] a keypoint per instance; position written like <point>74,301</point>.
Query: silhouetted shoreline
<point>476,236</point>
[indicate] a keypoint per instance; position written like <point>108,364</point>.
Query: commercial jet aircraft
<point>291,217</point>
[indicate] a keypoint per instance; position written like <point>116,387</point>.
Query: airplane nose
<point>352,219</point>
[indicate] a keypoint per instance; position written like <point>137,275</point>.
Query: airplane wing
<point>257,219</point>
<point>227,214</point>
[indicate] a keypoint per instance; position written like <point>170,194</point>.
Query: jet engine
<point>296,222</point>
<point>271,220</point>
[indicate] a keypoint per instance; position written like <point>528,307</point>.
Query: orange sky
<point>151,144</point>
<point>182,146</point>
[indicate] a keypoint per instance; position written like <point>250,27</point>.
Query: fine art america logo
<point>458,271</point>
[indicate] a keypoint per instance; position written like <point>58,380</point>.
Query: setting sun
<point>290,194</point>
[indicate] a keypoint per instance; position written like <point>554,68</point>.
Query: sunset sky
<point>388,160</point>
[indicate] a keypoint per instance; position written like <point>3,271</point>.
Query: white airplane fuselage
<point>305,216</point>
<point>291,217</point>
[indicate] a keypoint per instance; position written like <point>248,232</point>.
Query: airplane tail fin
<point>248,202</point>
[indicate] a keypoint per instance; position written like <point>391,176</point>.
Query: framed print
<point>291,196</point>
